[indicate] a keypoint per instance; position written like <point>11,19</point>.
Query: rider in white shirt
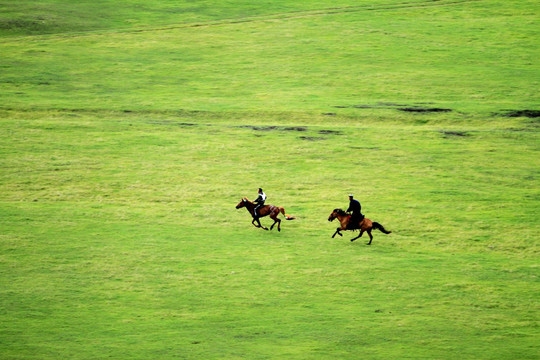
<point>259,201</point>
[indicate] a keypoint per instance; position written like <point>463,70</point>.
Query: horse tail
<point>378,226</point>
<point>287,217</point>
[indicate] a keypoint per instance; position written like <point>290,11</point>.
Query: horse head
<point>242,203</point>
<point>335,214</point>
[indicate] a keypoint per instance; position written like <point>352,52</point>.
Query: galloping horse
<point>271,210</point>
<point>364,225</point>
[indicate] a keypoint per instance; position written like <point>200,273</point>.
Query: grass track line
<point>251,19</point>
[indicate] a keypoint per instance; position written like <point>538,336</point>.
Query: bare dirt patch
<point>295,128</point>
<point>424,110</point>
<point>311,138</point>
<point>414,108</point>
<point>172,123</point>
<point>454,133</point>
<point>271,128</point>
<point>520,113</point>
<point>330,132</point>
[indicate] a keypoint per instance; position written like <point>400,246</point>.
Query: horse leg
<point>275,221</point>
<point>361,233</point>
<point>337,232</point>
<point>258,222</point>
<point>253,222</point>
<point>274,216</point>
<point>370,237</point>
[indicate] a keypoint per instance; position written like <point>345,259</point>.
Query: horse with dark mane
<point>266,210</point>
<point>364,225</point>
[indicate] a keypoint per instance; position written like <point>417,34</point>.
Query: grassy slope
<point>105,249</point>
<point>27,17</point>
<point>312,63</point>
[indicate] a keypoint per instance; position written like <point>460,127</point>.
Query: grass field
<point>132,129</point>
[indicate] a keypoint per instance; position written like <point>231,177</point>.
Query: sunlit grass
<point>125,152</point>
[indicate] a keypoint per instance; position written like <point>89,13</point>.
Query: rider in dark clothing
<point>355,208</point>
<point>259,201</point>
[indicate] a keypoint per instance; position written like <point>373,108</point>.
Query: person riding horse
<point>259,201</point>
<point>355,208</point>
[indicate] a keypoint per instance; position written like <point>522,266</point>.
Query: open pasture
<point>129,136</point>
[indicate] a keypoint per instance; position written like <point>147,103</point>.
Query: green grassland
<point>132,129</point>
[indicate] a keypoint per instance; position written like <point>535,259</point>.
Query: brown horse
<point>271,210</point>
<point>363,225</point>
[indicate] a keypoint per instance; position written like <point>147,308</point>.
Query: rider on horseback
<point>356,216</point>
<point>259,201</point>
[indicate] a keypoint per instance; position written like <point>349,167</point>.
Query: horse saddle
<point>352,225</point>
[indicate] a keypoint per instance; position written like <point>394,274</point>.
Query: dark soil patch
<point>376,106</point>
<point>270,128</point>
<point>454,133</point>
<point>171,123</point>
<point>330,132</point>
<point>259,128</point>
<point>311,138</point>
<point>424,110</point>
<point>295,128</point>
<point>366,147</point>
<point>365,106</point>
<point>414,108</point>
<point>521,113</point>
<point>389,104</point>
